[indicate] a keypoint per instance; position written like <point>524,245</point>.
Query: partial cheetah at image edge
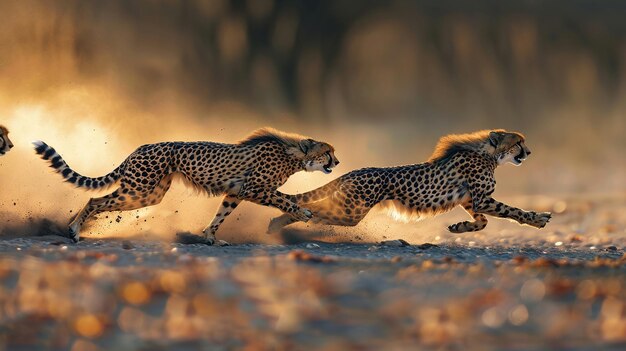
<point>250,170</point>
<point>5,142</point>
<point>460,172</point>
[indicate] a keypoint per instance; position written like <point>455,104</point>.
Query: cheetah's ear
<point>306,145</point>
<point>495,138</point>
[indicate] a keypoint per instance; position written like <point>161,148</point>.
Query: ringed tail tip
<point>40,146</point>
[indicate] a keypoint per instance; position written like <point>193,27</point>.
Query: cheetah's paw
<point>303,215</point>
<point>277,223</point>
<point>540,220</point>
<point>73,235</point>
<point>458,228</point>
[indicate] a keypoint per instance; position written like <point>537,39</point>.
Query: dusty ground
<point>509,287</point>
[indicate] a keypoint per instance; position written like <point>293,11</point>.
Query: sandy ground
<point>509,287</point>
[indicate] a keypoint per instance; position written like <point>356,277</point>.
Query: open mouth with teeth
<point>327,167</point>
<point>520,157</point>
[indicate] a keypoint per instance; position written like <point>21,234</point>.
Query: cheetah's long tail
<point>60,166</point>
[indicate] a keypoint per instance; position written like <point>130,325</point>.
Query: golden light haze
<point>96,80</point>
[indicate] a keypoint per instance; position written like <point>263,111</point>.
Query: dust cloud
<point>94,137</point>
<point>94,141</point>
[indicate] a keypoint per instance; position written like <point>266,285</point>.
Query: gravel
<point>561,288</point>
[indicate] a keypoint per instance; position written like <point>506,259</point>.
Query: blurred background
<point>381,80</point>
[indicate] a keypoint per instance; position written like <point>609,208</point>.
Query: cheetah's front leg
<point>480,222</point>
<point>498,209</point>
<point>279,200</point>
<point>229,203</point>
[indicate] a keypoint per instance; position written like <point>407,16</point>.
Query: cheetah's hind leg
<point>110,202</point>
<point>339,209</point>
<point>229,203</point>
<point>277,223</point>
<point>122,199</point>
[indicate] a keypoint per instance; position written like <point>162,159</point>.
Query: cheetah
<point>5,142</point>
<point>460,172</point>
<point>251,170</point>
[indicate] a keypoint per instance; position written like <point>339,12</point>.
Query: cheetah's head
<point>5,142</point>
<point>318,156</point>
<point>508,147</point>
